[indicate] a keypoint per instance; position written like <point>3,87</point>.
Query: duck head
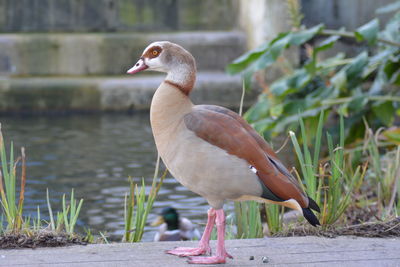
<point>169,216</point>
<point>172,59</point>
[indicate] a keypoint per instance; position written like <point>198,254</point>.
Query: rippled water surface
<point>95,154</point>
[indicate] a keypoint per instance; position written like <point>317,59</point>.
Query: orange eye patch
<point>153,52</point>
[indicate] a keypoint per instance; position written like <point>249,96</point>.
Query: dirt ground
<point>41,239</point>
<point>390,228</point>
<point>44,238</point>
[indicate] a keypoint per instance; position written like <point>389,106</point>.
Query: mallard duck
<point>172,227</point>
<point>212,150</point>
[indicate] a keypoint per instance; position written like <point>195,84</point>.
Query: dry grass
<point>389,228</point>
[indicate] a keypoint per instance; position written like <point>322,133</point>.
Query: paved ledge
<point>112,93</point>
<point>108,53</point>
<point>291,251</point>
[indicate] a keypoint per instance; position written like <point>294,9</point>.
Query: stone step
<point>61,94</point>
<point>116,15</point>
<point>108,53</point>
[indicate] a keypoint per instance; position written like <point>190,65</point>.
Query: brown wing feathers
<point>227,132</point>
<point>269,152</point>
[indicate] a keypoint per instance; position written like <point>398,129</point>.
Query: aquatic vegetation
<point>8,177</point>
<point>137,207</point>
<point>329,182</point>
<point>15,222</point>
<point>67,218</point>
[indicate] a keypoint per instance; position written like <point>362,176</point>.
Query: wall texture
<point>342,13</point>
<point>116,15</point>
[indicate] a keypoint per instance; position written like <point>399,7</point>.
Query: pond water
<point>95,155</point>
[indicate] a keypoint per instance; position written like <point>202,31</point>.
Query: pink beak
<point>139,66</point>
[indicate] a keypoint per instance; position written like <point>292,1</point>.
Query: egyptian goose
<point>174,227</point>
<point>212,151</point>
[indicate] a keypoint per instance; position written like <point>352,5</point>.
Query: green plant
<point>104,238</point>
<point>37,223</point>
<point>88,236</point>
<point>13,207</point>
<point>71,213</point>
<point>12,211</point>
<point>383,175</point>
<point>248,220</point>
<point>331,184</point>
<point>68,217</point>
<point>363,86</point>
<point>309,164</point>
<point>274,218</point>
<point>137,207</point>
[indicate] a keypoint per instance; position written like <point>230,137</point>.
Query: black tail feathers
<point>313,205</point>
<point>310,216</point>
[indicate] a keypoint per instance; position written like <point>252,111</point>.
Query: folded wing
<point>227,130</point>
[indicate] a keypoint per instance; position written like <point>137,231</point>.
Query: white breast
<point>203,168</point>
<point>207,169</point>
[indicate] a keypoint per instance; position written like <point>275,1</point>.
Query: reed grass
<point>137,207</point>
<point>383,175</point>
<point>331,184</point>
<point>66,218</point>
<point>13,206</point>
<point>248,220</point>
<point>71,212</point>
<point>8,180</point>
<point>274,218</point>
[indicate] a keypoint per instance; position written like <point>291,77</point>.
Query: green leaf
<point>272,53</point>
<point>281,124</point>
<point>392,31</point>
<point>389,8</point>
<point>300,37</point>
<point>277,110</point>
<point>393,135</point>
<point>259,110</point>
<point>358,103</point>
<point>280,87</point>
<point>391,70</point>
<point>244,60</point>
<point>263,125</point>
<point>291,83</point>
<point>376,61</point>
<point>355,69</point>
<point>368,32</point>
<point>339,80</point>
<point>266,54</point>
<point>294,105</point>
<point>343,110</point>
<point>326,44</point>
<point>385,112</point>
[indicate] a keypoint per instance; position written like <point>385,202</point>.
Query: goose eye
<point>155,52</point>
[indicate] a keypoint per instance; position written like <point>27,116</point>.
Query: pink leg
<point>221,254</point>
<point>204,246</point>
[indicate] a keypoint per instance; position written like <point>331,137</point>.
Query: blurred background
<point>65,97</point>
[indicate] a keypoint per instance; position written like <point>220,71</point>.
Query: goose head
<point>169,58</point>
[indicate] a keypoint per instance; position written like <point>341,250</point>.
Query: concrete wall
<point>342,13</point>
<point>264,19</point>
<point>116,15</point>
